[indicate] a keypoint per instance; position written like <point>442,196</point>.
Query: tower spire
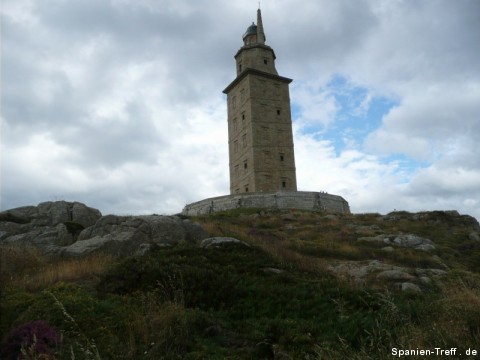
<point>260,33</point>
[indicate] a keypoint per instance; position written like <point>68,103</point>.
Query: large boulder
<point>411,240</point>
<point>51,214</point>
<point>220,241</point>
<point>42,237</point>
<point>125,235</point>
<point>154,228</point>
<point>47,225</point>
<point>411,288</point>
<point>402,240</point>
<point>474,236</point>
<point>394,274</point>
<point>74,229</point>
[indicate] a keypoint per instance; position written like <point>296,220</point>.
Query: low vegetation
<point>276,299</point>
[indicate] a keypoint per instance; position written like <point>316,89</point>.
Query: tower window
<point>278,111</point>
<point>246,188</point>
<point>282,157</point>
<point>284,184</point>
<point>243,116</point>
<point>239,67</point>
<point>265,61</point>
<point>244,140</point>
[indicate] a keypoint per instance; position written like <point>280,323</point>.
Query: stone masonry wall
<point>301,200</point>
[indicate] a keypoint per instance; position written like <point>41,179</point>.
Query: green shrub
<point>231,284</point>
<point>14,302</point>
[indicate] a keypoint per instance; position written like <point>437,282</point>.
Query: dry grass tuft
<point>19,261</point>
<point>161,328</point>
<point>454,319</point>
<point>28,269</point>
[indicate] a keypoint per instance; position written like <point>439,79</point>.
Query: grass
<point>28,269</point>
<point>275,299</point>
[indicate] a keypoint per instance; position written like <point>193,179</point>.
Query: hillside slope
<point>298,285</point>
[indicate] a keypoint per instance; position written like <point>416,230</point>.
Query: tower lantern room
<point>254,53</point>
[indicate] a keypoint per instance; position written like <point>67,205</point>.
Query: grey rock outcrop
<point>402,240</point>
<point>48,225</point>
<point>410,287</point>
<point>474,236</point>
<point>74,229</point>
<point>51,214</point>
<point>434,217</point>
<point>362,272</point>
<point>127,234</point>
<point>394,275</point>
<point>358,270</point>
<point>219,241</point>
<point>412,241</point>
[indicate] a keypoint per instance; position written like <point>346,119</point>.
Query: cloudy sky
<point>119,104</point>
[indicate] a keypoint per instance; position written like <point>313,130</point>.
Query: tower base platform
<point>281,200</point>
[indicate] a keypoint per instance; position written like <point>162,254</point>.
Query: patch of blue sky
<point>358,113</point>
<point>296,110</point>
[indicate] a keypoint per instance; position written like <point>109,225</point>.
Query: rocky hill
<point>73,229</point>
<point>242,284</point>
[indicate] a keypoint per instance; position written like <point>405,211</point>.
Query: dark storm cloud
<point>322,35</point>
<point>125,20</point>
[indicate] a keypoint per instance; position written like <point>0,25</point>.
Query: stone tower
<point>259,120</point>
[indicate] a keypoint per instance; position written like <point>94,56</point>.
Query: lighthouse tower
<point>260,137</point>
<point>260,141</point>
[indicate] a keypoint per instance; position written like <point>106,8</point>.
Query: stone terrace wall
<point>301,200</point>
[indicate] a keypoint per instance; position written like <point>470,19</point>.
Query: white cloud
<point>316,106</point>
<point>363,180</point>
<point>118,103</point>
